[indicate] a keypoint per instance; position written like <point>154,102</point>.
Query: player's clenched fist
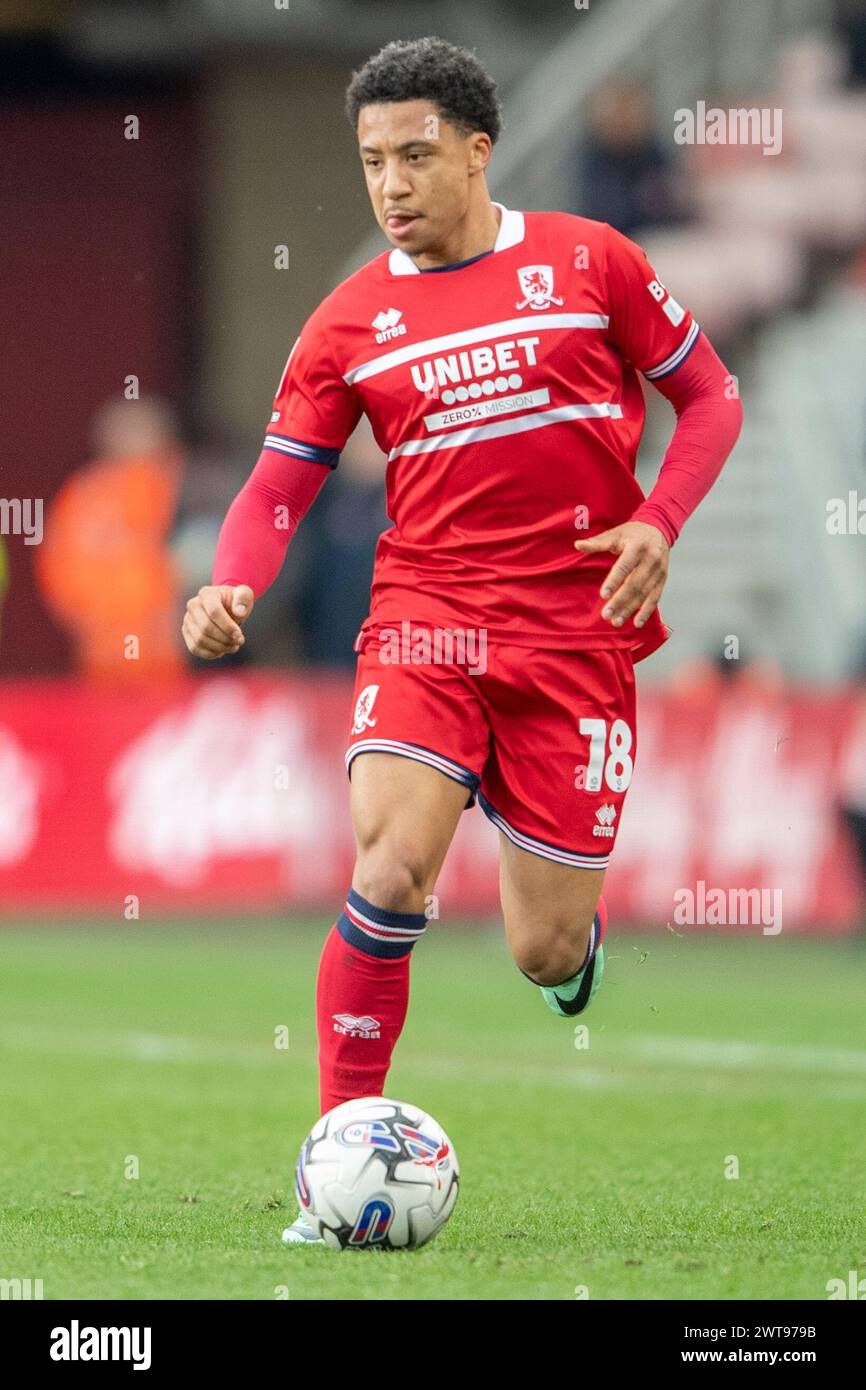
<point>212,622</point>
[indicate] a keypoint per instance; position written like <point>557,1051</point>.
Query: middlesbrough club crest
<point>536,281</point>
<point>363,709</point>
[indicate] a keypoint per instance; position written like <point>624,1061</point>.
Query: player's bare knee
<point>551,956</point>
<point>394,880</point>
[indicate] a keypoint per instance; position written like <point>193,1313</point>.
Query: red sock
<point>362,994</point>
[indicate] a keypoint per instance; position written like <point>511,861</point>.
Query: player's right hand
<point>212,622</point>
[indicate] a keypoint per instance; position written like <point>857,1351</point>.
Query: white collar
<point>511,232</point>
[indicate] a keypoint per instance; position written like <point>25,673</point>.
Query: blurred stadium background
<point>179,189</point>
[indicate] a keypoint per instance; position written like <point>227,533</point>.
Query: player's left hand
<point>635,583</point>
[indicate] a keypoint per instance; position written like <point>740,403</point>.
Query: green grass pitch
<point>600,1169</point>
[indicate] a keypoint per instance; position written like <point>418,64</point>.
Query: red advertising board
<point>229,793</point>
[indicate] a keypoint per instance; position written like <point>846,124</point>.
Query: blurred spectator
<point>340,534</point>
<point>850,24</point>
<point>705,677</point>
<point>104,566</point>
<point>627,176</point>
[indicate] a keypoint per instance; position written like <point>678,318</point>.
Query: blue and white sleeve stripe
<point>316,453</point>
<point>676,358</point>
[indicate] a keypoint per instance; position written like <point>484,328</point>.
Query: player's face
<point>418,168</point>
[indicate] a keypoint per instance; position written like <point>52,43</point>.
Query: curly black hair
<point>431,69</point>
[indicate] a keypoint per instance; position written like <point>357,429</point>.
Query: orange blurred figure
<point>104,566</point>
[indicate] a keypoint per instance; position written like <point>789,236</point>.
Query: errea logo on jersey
<point>388,325</point>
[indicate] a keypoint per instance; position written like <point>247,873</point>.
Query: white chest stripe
<point>387,360</point>
<point>458,439</point>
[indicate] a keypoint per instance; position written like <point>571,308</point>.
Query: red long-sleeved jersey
<point>504,392</point>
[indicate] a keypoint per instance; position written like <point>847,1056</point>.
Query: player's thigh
<point>404,815</point>
<point>555,782</point>
<point>547,907</point>
<point>417,743</point>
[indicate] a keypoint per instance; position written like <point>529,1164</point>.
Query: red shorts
<point>544,739</point>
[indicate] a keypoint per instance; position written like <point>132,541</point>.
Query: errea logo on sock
<point>364,1027</point>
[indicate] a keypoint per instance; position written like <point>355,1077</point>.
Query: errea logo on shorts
<point>388,324</point>
<point>605,815</point>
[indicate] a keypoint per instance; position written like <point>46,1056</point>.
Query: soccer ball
<point>377,1174</point>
